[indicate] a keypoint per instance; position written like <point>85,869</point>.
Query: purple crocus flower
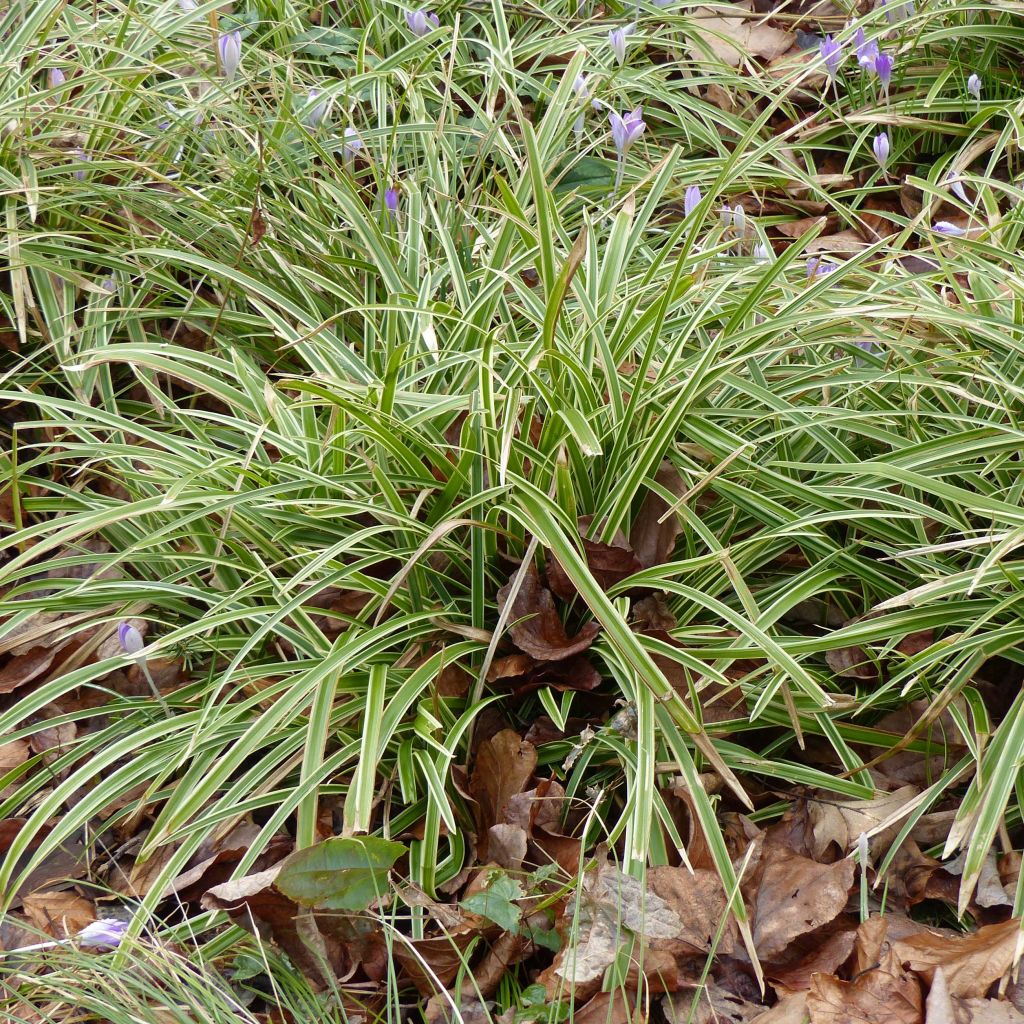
<point>739,220</point>
<point>391,200</point>
<point>817,267</point>
<point>421,22</point>
<point>832,54</point>
<point>882,67</point>
<point>762,254</point>
<point>130,639</point>
<point>691,199</point>
<point>881,148</point>
<point>866,49</point>
<point>55,78</point>
<point>956,187</point>
<point>102,934</point>
<point>944,227</point>
<point>229,46</point>
<point>617,39</point>
<point>974,86</point>
<point>626,129</point>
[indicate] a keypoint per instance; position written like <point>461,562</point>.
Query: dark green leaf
<point>339,874</point>
<point>588,172</point>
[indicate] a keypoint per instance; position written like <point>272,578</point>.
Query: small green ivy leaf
<point>497,902</point>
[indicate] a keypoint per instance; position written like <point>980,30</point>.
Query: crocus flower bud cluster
<point>421,22</point>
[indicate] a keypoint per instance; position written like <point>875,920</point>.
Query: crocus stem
<point>620,168</point>
<point>152,685</point>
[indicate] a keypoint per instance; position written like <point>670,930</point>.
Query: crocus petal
<point>55,78</point>
<point>944,227</point>
<point>974,86</point>
<point>956,187</point>
<point>391,200</point>
<point>102,934</point>
<point>691,199</point>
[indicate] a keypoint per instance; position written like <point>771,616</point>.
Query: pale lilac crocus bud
<point>421,22</point>
<point>315,114</point>
<point>229,47</point>
<point>762,254</point>
<point>956,187</point>
<point>391,200</point>
<point>130,639</point>
<point>739,220</point>
<point>55,78</point>
<point>617,39</point>
<point>881,149</point>
<point>832,54</point>
<point>944,227</point>
<point>188,6</point>
<point>883,68</point>
<point>582,91</point>
<point>353,144</point>
<point>691,199</point>
<point>79,154</point>
<point>102,934</point>
<point>974,86</point>
<point>817,267</point>
<point>725,215</point>
<point>867,50</point>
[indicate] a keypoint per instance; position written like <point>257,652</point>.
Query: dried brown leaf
<point>613,905</point>
<point>23,668</point>
<point>842,821</point>
<point>535,626</point>
<point>879,996</point>
<point>60,914</point>
<point>608,563</point>
<point>699,901</point>
<point>13,754</point>
<point>971,963</point>
<point>732,39</point>
<point>652,539</point>
<point>796,895</point>
<point>504,766</point>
